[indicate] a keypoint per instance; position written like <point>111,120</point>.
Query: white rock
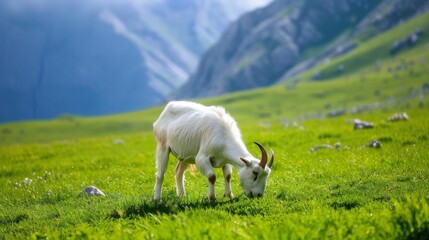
<point>118,141</point>
<point>326,146</point>
<point>359,124</point>
<point>398,117</point>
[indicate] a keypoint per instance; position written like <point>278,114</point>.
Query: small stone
<point>337,145</point>
<point>374,144</point>
<point>92,191</point>
<point>359,124</point>
<point>398,117</point>
<point>326,146</point>
<point>118,141</point>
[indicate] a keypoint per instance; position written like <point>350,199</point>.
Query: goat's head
<point>253,176</point>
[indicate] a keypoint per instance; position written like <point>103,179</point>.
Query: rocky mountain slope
<point>102,57</point>
<point>287,37</point>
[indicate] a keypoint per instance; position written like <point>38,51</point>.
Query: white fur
<point>207,137</point>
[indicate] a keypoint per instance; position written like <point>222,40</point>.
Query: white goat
<point>207,137</point>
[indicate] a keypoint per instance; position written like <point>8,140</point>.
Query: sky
<point>17,5</point>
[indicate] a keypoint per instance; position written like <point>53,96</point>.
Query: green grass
<point>354,192</point>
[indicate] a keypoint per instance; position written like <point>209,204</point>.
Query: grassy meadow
<point>353,192</point>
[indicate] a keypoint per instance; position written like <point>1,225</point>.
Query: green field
<point>354,192</point>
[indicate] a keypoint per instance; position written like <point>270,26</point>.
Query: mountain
<point>102,57</point>
<point>287,37</point>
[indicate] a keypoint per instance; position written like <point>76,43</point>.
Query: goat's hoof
<point>230,195</point>
<point>212,198</point>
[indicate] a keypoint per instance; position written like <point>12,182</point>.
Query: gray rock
<point>359,124</point>
<point>324,146</point>
<point>92,191</point>
<point>374,144</point>
<point>338,145</point>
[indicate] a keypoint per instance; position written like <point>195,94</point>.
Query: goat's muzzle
<point>254,195</point>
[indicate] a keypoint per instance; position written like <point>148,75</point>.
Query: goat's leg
<point>205,167</point>
<point>162,152</point>
<point>180,178</point>
<point>227,172</point>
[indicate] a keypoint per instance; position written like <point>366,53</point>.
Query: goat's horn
<point>272,159</point>
<point>263,161</point>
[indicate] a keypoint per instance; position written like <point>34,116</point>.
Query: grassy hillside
<point>398,84</point>
<point>353,192</point>
<point>368,55</point>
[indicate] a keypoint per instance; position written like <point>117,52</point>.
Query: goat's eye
<point>256,175</point>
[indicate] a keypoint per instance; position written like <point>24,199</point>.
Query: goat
<point>209,138</point>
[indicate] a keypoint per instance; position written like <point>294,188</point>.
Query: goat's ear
<point>247,162</point>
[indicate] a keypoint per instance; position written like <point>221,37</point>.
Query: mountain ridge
<point>273,49</point>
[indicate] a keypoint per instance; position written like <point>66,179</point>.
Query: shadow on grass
<point>348,204</point>
<point>15,219</point>
<point>172,205</point>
